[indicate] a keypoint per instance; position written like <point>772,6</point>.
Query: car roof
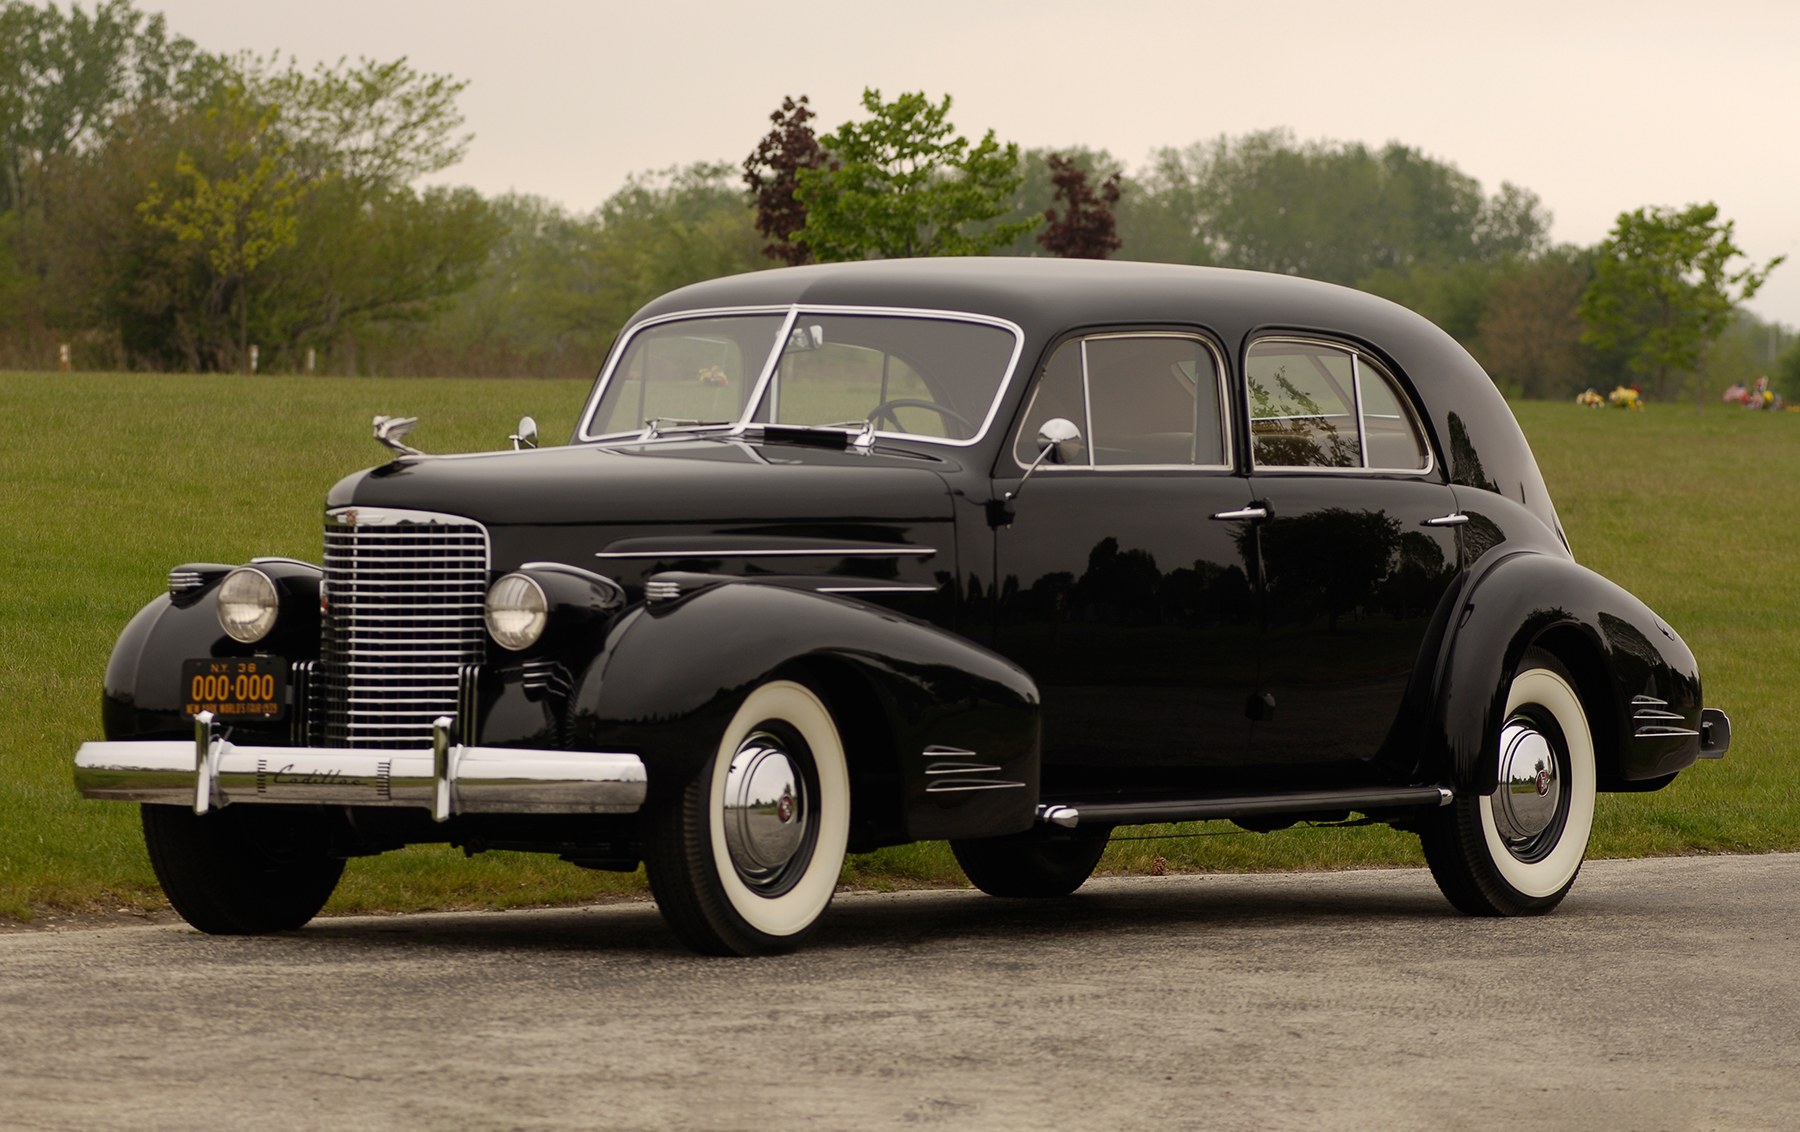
<point>1046,296</point>
<point>1049,297</point>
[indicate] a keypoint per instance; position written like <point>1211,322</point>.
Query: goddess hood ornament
<point>392,431</point>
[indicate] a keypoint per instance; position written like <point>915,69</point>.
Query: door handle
<point>1251,513</point>
<point>1453,519</point>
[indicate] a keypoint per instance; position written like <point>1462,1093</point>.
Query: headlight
<point>517,612</point>
<point>247,605</point>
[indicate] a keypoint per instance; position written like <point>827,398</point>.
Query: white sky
<point>1598,106</point>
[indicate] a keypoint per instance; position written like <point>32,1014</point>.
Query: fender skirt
<point>941,734</point>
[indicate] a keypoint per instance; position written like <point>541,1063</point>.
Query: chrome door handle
<point>1253,512</point>
<point>1453,519</point>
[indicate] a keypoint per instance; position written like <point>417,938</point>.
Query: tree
<point>772,173</point>
<point>65,78</point>
<point>1326,210</point>
<point>274,208</point>
<point>1787,373</point>
<point>1663,289</point>
<point>904,183</point>
<point>238,211</point>
<point>373,125</point>
<point>1085,229</point>
<point>1529,338</point>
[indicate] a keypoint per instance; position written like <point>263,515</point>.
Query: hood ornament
<point>392,431</point>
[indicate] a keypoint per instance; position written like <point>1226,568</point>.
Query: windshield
<point>930,376</point>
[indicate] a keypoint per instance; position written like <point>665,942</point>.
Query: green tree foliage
<point>1332,211</point>
<point>557,287</point>
<point>167,208</point>
<point>371,125</point>
<point>1528,336</point>
<point>65,77</point>
<point>1787,373</point>
<point>1663,290</point>
<point>236,213</point>
<point>904,183</point>
<point>772,174</point>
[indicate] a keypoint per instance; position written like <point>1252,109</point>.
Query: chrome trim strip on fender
<point>211,772</point>
<point>957,786</point>
<point>956,772</point>
<point>782,552</point>
<point>1655,722</point>
<point>897,588</point>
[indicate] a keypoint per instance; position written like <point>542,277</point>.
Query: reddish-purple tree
<point>772,173</point>
<point>1085,230</point>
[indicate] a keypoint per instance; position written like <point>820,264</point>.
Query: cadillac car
<point>1005,552</point>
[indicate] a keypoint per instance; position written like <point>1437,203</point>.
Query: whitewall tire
<point>1517,851</point>
<point>746,859</point>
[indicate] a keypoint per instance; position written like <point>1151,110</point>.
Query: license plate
<point>235,688</point>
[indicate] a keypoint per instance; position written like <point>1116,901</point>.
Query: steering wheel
<point>885,410</point>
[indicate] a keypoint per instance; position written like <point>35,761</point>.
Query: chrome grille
<point>403,596</point>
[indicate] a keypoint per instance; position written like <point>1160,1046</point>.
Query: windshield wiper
<point>657,426</point>
<point>859,435</point>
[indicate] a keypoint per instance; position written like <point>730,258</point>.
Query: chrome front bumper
<point>446,779</point>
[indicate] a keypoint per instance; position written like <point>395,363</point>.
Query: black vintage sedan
<point>1005,552</point>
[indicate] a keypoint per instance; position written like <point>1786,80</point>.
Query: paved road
<point>1664,994</point>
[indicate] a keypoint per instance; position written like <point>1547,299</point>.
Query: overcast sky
<point>1598,106</point>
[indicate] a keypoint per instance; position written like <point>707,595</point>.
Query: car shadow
<point>1196,906</point>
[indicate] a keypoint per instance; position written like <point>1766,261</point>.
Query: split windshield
<point>930,377</point>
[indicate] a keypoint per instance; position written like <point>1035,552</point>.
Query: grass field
<point>111,479</point>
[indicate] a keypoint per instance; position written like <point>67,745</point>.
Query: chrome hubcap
<point>766,812</point>
<point>1531,783</point>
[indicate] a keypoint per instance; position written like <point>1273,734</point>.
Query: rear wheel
<point>1517,851</point>
<point>242,870</point>
<point>745,859</point>
<point>1036,863</point>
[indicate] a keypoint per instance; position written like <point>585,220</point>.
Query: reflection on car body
<point>1004,552</point>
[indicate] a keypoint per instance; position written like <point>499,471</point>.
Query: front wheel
<point>242,870</point>
<point>1516,851</point>
<point>745,858</point>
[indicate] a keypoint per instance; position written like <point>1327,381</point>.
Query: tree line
<point>166,208</point>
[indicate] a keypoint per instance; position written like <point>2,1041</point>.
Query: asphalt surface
<point>1662,995</point>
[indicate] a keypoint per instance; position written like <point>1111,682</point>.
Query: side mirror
<point>527,436</point>
<point>1059,440</point>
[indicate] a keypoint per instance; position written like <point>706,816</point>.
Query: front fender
<point>942,735</point>
<point>142,696</point>
<point>1618,650</point>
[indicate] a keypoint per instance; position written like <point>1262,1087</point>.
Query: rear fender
<point>941,734</point>
<point>1630,667</point>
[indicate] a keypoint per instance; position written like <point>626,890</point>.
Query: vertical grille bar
<point>403,595</point>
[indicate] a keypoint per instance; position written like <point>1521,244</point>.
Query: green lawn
<point>112,479</point>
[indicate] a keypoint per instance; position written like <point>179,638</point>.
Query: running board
<point>1071,814</point>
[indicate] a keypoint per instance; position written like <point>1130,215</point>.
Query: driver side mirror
<point>527,436</point>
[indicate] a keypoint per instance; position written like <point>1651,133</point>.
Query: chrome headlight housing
<point>517,612</point>
<point>248,605</point>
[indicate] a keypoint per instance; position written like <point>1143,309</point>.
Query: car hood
<point>695,481</point>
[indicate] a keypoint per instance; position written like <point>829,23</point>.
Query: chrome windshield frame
<point>791,313</point>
